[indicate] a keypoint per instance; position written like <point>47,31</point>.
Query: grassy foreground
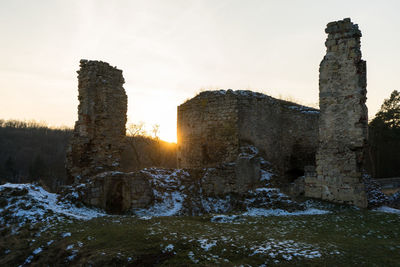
<point>341,238</point>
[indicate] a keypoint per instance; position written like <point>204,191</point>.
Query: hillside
<point>38,228</point>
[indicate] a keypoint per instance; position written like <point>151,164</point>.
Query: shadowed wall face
<point>99,132</point>
<point>215,124</point>
<point>285,133</point>
<point>344,118</point>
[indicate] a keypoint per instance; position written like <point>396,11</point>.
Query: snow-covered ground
<point>287,249</point>
<point>172,197</point>
<point>28,203</point>
<point>208,239</point>
<point>167,190</point>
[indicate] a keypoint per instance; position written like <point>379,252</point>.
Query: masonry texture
<point>118,192</point>
<point>215,124</point>
<point>343,120</point>
<point>99,132</point>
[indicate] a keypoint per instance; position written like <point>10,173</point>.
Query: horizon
<point>169,51</point>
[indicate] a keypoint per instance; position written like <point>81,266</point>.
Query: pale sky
<point>169,50</point>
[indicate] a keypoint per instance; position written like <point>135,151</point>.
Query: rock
<point>232,178</point>
<point>118,192</point>
<point>247,172</point>
<point>394,200</point>
<point>297,187</point>
<point>374,193</point>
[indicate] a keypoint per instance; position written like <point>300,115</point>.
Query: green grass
<point>342,238</point>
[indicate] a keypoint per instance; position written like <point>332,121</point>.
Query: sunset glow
<point>170,50</point>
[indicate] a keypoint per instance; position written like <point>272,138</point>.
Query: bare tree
<point>135,130</point>
<point>156,156</point>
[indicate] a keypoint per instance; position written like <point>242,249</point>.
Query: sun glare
<point>154,108</point>
<point>168,133</point>
<point>165,120</point>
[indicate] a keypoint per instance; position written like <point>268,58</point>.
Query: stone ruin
<point>343,120</point>
<point>227,139</point>
<point>99,133</point>
<point>94,153</point>
<point>214,125</point>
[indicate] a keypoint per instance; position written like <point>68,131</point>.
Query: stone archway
<point>118,196</point>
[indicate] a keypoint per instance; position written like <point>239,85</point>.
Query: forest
<point>383,159</point>
<point>31,151</point>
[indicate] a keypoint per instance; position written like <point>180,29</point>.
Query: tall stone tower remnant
<point>97,141</point>
<point>343,121</point>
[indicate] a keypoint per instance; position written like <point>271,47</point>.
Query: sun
<point>152,109</point>
<point>168,133</point>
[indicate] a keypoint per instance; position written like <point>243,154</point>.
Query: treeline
<point>31,151</point>
<point>384,139</point>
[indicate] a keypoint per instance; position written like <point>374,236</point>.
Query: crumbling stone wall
<point>343,121</point>
<point>285,133</point>
<point>207,130</point>
<point>94,153</point>
<point>99,132</point>
<point>229,178</point>
<point>215,124</point>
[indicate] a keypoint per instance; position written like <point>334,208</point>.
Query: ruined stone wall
<point>222,121</point>
<point>343,122</point>
<point>285,133</point>
<point>118,192</point>
<point>207,130</point>
<point>99,132</point>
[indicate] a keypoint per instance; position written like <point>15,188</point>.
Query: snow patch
<point>42,203</point>
<point>224,218</point>
<point>191,256</point>
<point>37,251</point>
<point>248,151</point>
<point>287,249</point>
<point>207,244</point>
<point>64,235</point>
<point>387,210</point>
<point>168,248</point>
<point>168,199</point>
<point>267,189</point>
<point>304,109</point>
<point>266,176</point>
<point>28,260</point>
<point>170,205</point>
<point>217,205</point>
<point>280,212</point>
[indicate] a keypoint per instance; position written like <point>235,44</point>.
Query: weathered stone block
<point>247,170</point>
